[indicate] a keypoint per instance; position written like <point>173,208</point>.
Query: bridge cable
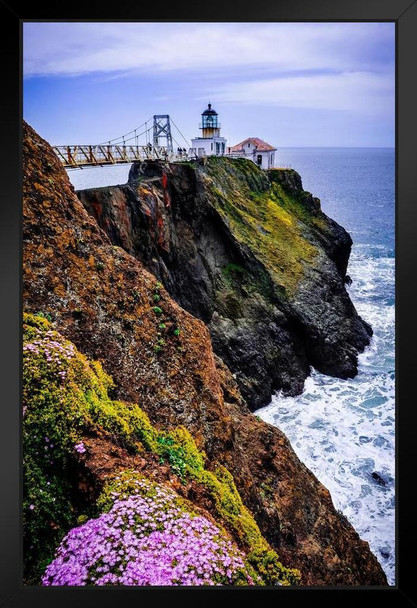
<point>188,144</point>
<point>122,137</point>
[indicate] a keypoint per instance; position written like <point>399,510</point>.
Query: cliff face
<point>249,253</point>
<point>81,447</point>
<point>102,299</point>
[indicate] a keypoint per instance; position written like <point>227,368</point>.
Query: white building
<point>256,149</point>
<point>210,143</point>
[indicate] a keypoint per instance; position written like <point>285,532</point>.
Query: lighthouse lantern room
<point>210,143</point>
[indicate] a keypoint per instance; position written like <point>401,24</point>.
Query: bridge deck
<point>90,156</point>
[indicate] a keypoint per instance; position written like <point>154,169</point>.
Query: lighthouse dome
<point>209,111</point>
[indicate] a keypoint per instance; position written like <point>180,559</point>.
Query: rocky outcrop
<point>77,441</point>
<point>101,298</point>
<point>252,255</point>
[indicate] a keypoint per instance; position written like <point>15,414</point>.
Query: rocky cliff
<point>252,255</point>
<point>102,299</point>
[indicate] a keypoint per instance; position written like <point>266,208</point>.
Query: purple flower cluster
<point>147,540</point>
<point>55,351</point>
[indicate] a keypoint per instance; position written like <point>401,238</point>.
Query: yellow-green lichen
<point>265,218</point>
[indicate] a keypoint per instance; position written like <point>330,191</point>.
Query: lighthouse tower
<point>210,143</point>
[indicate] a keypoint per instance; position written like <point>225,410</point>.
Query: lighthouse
<point>210,143</point>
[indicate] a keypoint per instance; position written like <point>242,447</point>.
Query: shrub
<point>147,538</point>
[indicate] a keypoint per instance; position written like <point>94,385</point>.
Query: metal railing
<point>82,156</point>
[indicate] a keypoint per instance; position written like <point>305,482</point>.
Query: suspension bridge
<point>130,147</point>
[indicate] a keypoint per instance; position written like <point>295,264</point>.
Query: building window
<point>212,145</point>
<point>259,160</point>
<point>248,145</point>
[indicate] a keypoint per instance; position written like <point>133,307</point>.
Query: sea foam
<point>344,430</point>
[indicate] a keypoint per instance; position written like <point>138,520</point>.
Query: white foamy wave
<point>344,430</point>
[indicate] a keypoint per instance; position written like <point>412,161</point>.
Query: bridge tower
<point>162,128</point>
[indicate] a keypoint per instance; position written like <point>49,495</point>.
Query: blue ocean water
<point>344,430</point>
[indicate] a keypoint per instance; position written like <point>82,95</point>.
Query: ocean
<point>344,430</point>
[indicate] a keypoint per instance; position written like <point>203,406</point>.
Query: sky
<point>291,84</point>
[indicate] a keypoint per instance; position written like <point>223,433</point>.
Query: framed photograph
<point>208,247</point>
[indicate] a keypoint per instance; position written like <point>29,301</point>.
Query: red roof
<point>258,144</point>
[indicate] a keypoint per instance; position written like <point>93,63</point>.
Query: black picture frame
<point>13,594</point>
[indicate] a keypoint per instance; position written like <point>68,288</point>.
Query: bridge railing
<point>81,156</point>
<point>78,156</point>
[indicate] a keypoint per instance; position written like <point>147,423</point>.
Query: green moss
<point>230,508</point>
<point>128,483</point>
<point>233,270</point>
<point>65,399</point>
<point>272,572</point>
<point>179,449</point>
<point>296,207</point>
<point>265,218</point>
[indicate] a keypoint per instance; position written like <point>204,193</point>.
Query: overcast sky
<point>291,84</point>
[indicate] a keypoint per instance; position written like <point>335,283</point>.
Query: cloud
<point>359,92</point>
<point>71,49</point>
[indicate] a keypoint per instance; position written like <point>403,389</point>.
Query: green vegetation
<point>262,562</point>
<point>233,271</point>
<point>42,315</point>
<point>264,217</point>
<point>128,483</point>
<point>271,572</point>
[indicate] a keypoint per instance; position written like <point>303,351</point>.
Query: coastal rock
<point>251,254</point>
<point>101,298</point>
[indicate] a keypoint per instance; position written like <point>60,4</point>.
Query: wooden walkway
<point>90,156</point>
